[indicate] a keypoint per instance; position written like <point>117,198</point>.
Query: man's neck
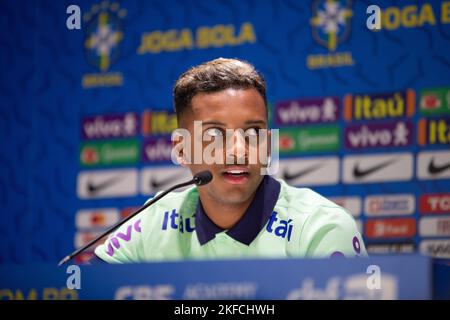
<point>223,215</point>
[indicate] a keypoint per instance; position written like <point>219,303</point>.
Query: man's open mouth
<point>236,172</point>
<point>236,175</point>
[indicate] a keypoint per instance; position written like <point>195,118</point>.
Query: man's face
<point>242,110</point>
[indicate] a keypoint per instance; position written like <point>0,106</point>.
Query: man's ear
<point>178,151</point>
<point>269,147</point>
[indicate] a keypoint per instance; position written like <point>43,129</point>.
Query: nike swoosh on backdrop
<point>96,187</point>
<point>301,173</point>
<point>434,169</point>
<point>155,184</point>
<point>358,173</point>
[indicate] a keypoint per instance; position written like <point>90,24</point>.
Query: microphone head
<point>203,177</point>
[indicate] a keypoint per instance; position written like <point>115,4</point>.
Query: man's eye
<point>251,132</point>
<point>213,132</point>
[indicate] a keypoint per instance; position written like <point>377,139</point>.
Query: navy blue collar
<point>251,223</point>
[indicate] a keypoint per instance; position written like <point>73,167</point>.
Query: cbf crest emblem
<point>102,44</point>
<point>331,22</point>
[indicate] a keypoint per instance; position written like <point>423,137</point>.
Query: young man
<point>241,213</point>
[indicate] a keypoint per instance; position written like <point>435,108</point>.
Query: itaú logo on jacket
<point>174,220</point>
<point>280,228</point>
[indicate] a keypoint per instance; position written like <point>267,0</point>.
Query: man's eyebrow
<point>212,122</point>
<point>262,122</point>
<point>218,123</point>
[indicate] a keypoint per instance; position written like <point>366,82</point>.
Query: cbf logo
<point>104,34</point>
<point>330,26</point>
<point>331,22</point>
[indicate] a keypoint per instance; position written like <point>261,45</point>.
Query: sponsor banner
<point>307,111</point>
<point>110,126</point>
<point>100,218</point>
<point>107,183</point>
<point>391,105</point>
<point>126,212</point>
<point>106,153</point>
<point>85,257</point>
<point>158,122</point>
<point>434,203</point>
<point>386,248</point>
<point>376,135</point>
<point>433,165</point>
<point>351,204</point>
<point>439,248</point>
<point>389,205</point>
<point>309,171</point>
<point>311,139</point>
<point>435,131</point>
<point>378,168</point>
<point>435,102</point>
<point>160,178</point>
<point>434,226</point>
<point>157,149</point>
<point>390,228</point>
<point>84,237</point>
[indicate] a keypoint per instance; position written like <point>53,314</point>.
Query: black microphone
<point>202,178</point>
<point>199,179</point>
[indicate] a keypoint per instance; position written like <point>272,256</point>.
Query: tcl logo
<point>391,228</point>
<point>435,203</point>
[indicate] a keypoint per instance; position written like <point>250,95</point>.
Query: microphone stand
<point>199,179</point>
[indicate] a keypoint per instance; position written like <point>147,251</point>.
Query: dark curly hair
<point>214,76</point>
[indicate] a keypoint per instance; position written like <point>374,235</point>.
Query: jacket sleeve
<point>124,244</point>
<point>332,232</point>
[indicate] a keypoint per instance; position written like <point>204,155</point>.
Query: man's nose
<point>236,147</point>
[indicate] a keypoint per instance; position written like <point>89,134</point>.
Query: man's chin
<point>237,189</point>
<point>233,195</point>
<point>233,200</point>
